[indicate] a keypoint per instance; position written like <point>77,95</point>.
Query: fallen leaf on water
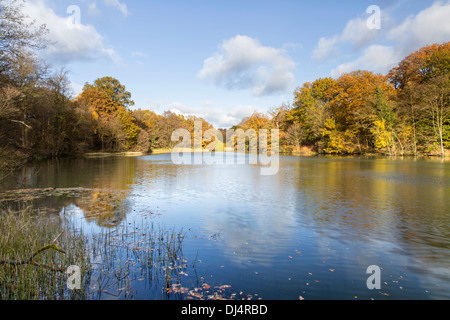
<point>195,294</point>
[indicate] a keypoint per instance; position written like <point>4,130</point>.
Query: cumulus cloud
<point>243,63</point>
<point>376,58</point>
<point>430,25</point>
<point>219,117</point>
<point>324,47</point>
<point>69,39</point>
<point>356,33</point>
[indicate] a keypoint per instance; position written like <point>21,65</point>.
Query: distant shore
<point>303,152</point>
<point>114,154</point>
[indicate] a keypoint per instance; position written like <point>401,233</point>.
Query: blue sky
<point>224,59</point>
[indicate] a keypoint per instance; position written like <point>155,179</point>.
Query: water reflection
<point>312,229</point>
<point>99,187</point>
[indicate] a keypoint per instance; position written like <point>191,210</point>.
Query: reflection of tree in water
<point>97,186</point>
<point>105,207</point>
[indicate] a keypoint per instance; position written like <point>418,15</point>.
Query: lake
<point>308,232</point>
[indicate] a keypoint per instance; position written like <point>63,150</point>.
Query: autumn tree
<point>436,105</point>
<point>421,65</point>
<point>257,121</point>
<point>312,108</point>
<point>355,105</point>
<point>150,132</point>
<point>115,91</point>
<point>422,95</point>
<point>279,116</point>
<point>108,101</point>
<point>295,135</point>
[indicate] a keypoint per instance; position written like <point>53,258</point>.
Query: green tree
<point>107,98</point>
<point>312,107</point>
<point>114,90</point>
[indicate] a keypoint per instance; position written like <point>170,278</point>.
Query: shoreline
<point>296,154</point>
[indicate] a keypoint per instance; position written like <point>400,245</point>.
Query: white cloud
<point>431,25</point>
<point>243,63</point>
<point>218,117</point>
<point>226,119</point>
<point>356,33</point>
<point>119,5</point>
<point>325,47</point>
<point>69,39</point>
<point>376,58</point>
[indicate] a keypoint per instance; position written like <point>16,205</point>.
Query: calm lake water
<point>310,231</point>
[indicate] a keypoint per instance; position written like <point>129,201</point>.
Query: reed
<point>35,252</point>
<point>131,254</point>
<point>37,249</point>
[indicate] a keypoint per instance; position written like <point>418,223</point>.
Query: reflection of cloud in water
<point>341,214</point>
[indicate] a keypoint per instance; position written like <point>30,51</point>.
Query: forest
<point>404,112</point>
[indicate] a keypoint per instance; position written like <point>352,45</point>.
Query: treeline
<point>40,118</point>
<point>113,127</point>
<point>405,112</point>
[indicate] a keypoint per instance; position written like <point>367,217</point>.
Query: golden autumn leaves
<point>396,114</point>
<point>403,112</point>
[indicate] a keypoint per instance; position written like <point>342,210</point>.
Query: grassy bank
<point>35,252</point>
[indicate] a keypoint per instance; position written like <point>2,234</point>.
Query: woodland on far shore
<point>405,112</point>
